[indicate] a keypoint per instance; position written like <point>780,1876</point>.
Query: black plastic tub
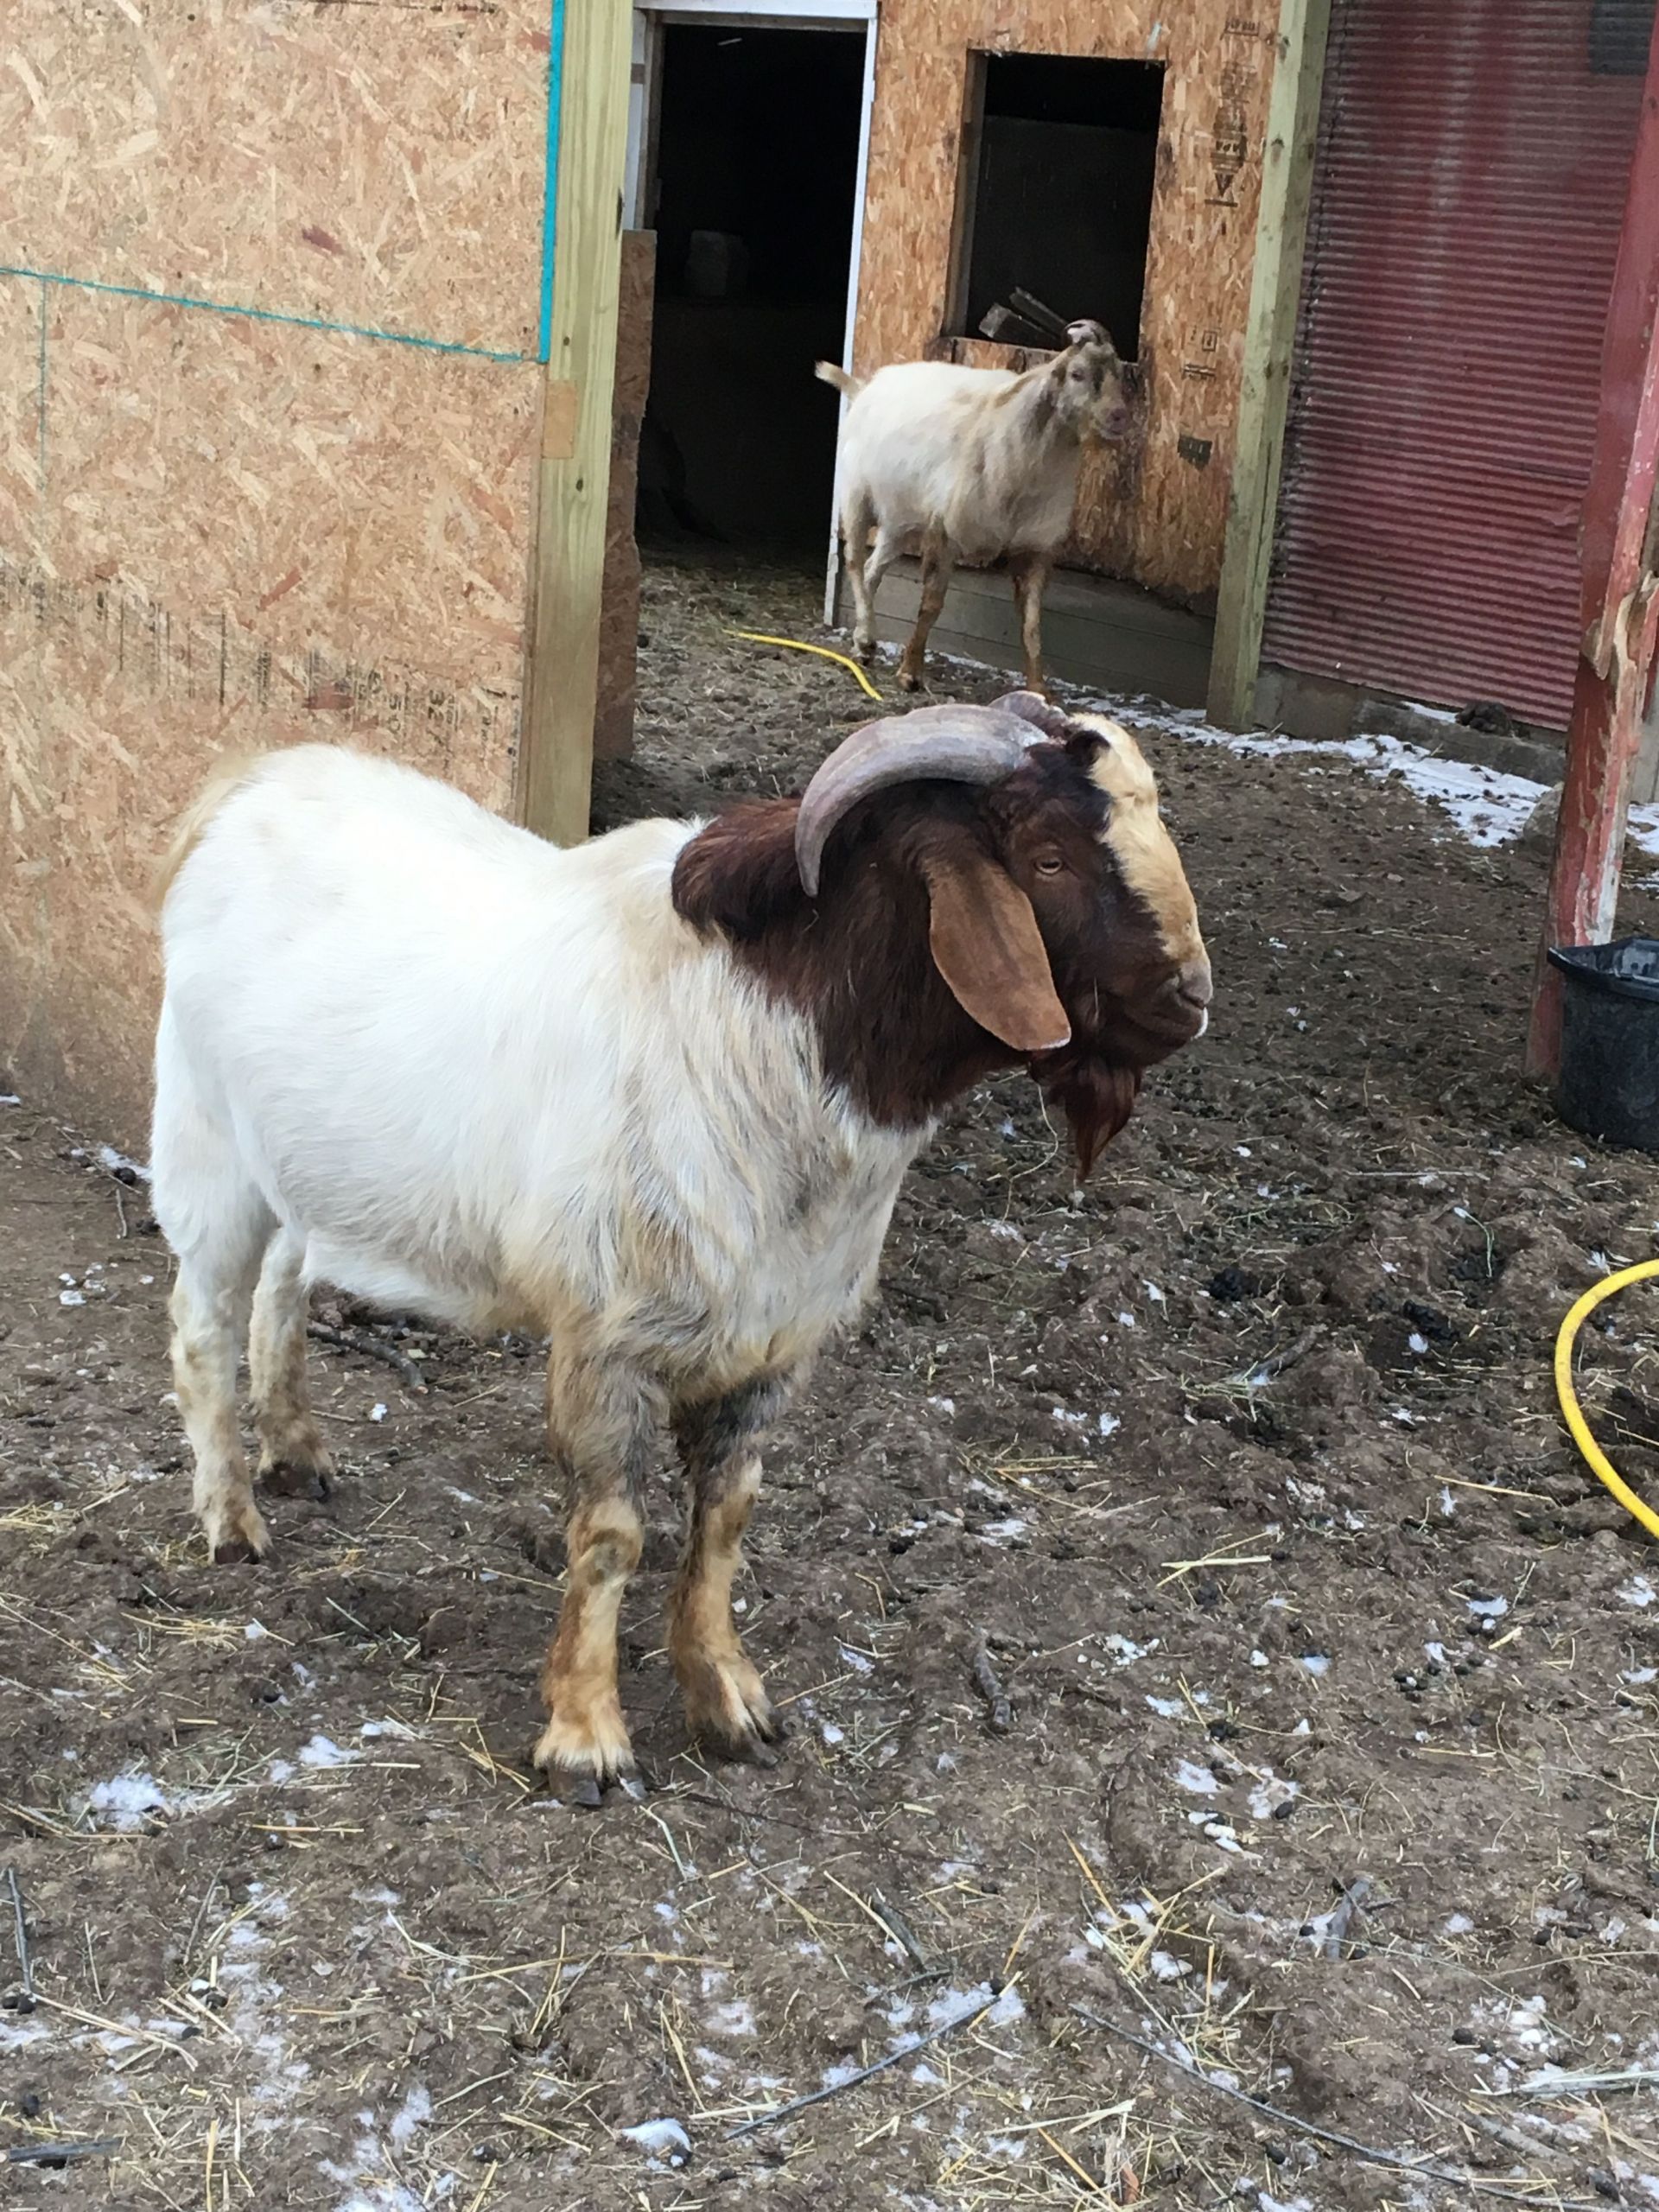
<point>1608,1086</point>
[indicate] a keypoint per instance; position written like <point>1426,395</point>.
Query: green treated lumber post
<point>1269,339</point>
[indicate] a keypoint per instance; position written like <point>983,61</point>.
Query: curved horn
<point>1047,720</point>
<point>1086,332</point>
<point>955,745</point>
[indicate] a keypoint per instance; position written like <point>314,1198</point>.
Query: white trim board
<point>803,13</point>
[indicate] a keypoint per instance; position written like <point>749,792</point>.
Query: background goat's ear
<point>989,949</point>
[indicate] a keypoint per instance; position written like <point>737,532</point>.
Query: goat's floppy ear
<point>987,947</point>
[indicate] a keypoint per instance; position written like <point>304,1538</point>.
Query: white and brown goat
<point>969,466</point>
<point>651,1098</point>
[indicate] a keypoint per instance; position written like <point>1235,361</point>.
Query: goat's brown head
<point>1025,851</point>
<point>1089,385</point>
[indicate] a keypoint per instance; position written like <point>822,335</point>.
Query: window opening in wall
<point>1055,198</point>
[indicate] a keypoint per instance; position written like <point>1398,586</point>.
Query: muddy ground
<point>1331,1764</point>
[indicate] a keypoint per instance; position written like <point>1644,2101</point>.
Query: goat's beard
<point>1097,1096</point>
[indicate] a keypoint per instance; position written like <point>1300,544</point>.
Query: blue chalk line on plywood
<point>551,175</point>
<point>46,277</point>
<point>40,398</point>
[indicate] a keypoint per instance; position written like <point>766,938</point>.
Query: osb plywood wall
<point>1154,508</point>
<point>224,529</point>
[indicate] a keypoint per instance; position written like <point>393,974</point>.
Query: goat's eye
<point>1050,864</point>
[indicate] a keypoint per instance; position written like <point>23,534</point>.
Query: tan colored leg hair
<point>725,1704</point>
<point>601,1421</point>
<point>207,1335</point>
<point>937,564</point>
<point>1030,575</point>
<point>293,1457</point>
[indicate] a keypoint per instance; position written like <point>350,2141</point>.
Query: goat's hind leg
<point>218,1225</point>
<point>937,564</point>
<point>294,1460</point>
<point>602,1421</point>
<point>725,1704</point>
<point>1028,572</point>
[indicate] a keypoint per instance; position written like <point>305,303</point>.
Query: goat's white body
<point>927,446</point>
<point>472,1074</point>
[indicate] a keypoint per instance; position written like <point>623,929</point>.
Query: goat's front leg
<point>937,561</point>
<point>725,1705</point>
<point>1029,572</point>
<point>600,1420</point>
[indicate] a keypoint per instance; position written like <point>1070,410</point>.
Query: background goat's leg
<point>855,546</point>
<point>293,1457</point>
<point>1029,573</point>
<point>725,1702</point>
<point>937,564</point>
<point>600,1420</point>
<point>210,1310</point>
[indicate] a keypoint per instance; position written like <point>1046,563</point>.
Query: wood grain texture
<point>566,585</point>
<point>1154,507</point>
<point>375,164</point>
<point>1269,343</point>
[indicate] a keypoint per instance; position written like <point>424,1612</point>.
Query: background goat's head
<point>964,888</point>
<point>1090,388</point>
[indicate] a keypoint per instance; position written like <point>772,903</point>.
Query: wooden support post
<point>1269,342</point>
<point>1620,601</point>
<point>555,748</point>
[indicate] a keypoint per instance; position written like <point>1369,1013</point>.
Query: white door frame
<point>649,18</point>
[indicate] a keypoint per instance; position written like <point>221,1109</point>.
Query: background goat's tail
<point>827,373</point>
<point>226,776</point>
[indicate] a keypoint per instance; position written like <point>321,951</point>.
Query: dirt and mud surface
<point>1328,1762</point>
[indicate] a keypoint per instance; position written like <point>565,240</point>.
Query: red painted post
<point>1620,599</point>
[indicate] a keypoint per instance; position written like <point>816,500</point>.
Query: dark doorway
<point>756,168</point>
<point>1059,160</point>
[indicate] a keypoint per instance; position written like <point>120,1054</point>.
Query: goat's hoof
<point>294,1474</point>
<point>236,1535</point>
<point>909,680</point>
<point>583,1758</point>
<point>729,1712</point>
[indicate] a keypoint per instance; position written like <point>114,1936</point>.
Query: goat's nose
<point>1194,983</point>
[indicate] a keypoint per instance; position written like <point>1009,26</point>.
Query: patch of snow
<point>1638,1591</point>
<point>857,1660</point>
<point>109,1158</point>
<point>942,1405</point>
<point>1109,1424</point>
<point>414,2111</point>
<point>1488,1609</point>
<point>1316,1662</point>
<point>128,1801</point>
<point>1168,1967</point>
<point>732,2018</point>
<point>321,1752</point>
<point>1198,1780</point>
<point>377,1412</point>
<point>1270,1793</point>
<point>660,2139</point>
<point>1168,1708</point>
<point>1126,1653</point>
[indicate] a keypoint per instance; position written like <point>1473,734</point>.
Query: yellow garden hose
<point>823,652</point>
<point>1575,1421</point>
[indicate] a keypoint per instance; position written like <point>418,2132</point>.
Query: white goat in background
<point>969,466</point>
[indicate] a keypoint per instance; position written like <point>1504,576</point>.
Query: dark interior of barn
<point>755,169</point>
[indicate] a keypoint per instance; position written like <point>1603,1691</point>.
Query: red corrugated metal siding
<point>1468,195</point>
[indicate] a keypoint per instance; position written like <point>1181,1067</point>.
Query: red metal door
<point>1468,195</point>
